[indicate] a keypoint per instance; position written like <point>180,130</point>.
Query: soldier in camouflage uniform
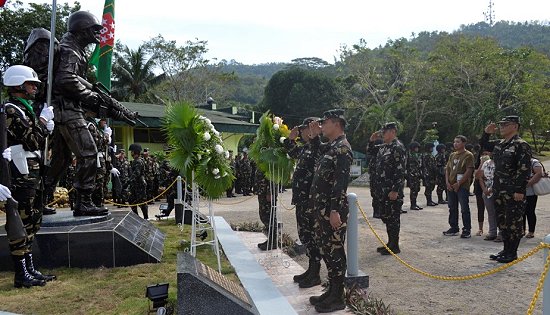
<point>512,157</point>
<point>168,174</point>
<point>440,163</point>
<point>306,155</point>
<point>245,174</point>
<point>104,166</point>
<point>121,163</point>
<point>414,173</point>
<point>389,177</point>
<point>26,130</point>
<point>330,203</point>
<point>151,172</point>
<point>267,210</point>
<point>430,172</point>
<point>376,200</point>
<point>137,181</point>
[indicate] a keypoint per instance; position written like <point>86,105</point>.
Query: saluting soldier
<point>330,203</point>
<point>389,178</point>
<point>414,173</point>
<point>512,157</point>
<point>430,171</point>
<point>306,153</point>
<point>26,133</point>
<point>137,181</point>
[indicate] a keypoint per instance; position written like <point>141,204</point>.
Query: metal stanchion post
<point>178,203</point>
<point>354,276</point>
<point>546,287</point>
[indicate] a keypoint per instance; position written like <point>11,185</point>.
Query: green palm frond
<point>194,153</point>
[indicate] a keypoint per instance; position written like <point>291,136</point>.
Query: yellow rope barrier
<point>540,283</point>
<point>286,208</point>
<point>539,286</point>
<point>233,203</point>
<point>453,278</point>
<point>142,203</point>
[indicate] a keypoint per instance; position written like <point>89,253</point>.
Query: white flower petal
<point>282,140</point>
<point>206,136</point>
<point>276,126</point>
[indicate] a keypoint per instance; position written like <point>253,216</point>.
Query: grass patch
<point>118,290</point>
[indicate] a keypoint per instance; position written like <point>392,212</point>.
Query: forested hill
<point>514,34</point>
<point>264,70</point>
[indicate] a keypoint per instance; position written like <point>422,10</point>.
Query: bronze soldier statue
<point>72,97</point>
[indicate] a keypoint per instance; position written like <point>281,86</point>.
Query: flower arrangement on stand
<point>268,150</point>
<point>198,146</point>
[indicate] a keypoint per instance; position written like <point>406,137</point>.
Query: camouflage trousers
<point>305,219</point>
<point>331,242</point>
<point>509,216</point>
<point>414,185</point>
<point>376,201</point>
<point>101,178</point>
<point>441,185</point>
<point>391,216</point>
<point>32,219</point>
<point>267,216</point>
<point>429,183</point>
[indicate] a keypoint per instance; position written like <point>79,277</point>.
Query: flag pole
<point>51,51</point>
<point>50,69</point>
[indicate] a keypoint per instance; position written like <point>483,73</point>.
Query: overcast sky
<point>253,32</point>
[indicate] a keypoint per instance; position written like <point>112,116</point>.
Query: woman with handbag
<point>531,198</point>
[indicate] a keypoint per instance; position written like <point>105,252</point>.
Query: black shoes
<point>395,250</point>
<point>465,234</point>
<point>451,232</point>
<point>416,207</point>
<point>48,210</point>
<point>431,204</point>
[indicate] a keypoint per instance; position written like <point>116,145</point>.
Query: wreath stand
<point>200,224</point>
<point>275,255</point>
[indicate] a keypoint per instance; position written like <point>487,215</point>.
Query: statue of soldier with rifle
<point>72,97</point>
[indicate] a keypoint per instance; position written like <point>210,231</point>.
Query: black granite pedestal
<point>120,238</point>
<point>203,290</point>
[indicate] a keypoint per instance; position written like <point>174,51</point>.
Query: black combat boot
<point>440,199</point>
<point>393,244</point>
<point>302,276</point>
<point>511,254</point>
<point>85,206</point>
<point>29,263</point>
<point>381,248</point>
<point>503,252</point>
<point>316,299</point>
<point>335,301</point>
<point>270,244</point>
<point>47,195</point>
<point>22,277</point>
<point>313,278</point>
<point>429,201</point>
<point>414,206</point>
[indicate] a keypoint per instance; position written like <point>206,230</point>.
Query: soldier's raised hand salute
<point>491,128</point>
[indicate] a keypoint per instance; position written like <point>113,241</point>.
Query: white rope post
<point>178,203</point>
<point>352,236</point>
<point>546,287</point>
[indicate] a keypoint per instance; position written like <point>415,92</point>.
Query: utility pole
<point>490,13</point>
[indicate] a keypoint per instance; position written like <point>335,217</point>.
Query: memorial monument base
<point>120,238</point>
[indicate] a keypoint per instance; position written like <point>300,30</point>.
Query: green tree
<point>133,75</point>
<point>297,93</point>
<point>18,21</point>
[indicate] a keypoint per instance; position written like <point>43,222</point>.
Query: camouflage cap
<point>389,125</point>
<point>334,113</point>
<point>512,118</point>
<point>307,121</point>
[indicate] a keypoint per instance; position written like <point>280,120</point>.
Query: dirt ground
<point>424,246</point>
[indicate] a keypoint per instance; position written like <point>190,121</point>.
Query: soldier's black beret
<point>135,147</point>
<point>390,125</point>
<point>306,122</point>
<point>512,118</point>
<point>414,144</point>
<point>334,113</point>
<point>440,147</point>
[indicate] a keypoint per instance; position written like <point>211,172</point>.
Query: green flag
<point>103,53</point>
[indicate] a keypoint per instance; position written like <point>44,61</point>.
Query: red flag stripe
<point>2,2</point>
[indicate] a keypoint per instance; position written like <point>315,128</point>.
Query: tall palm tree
<point>133,75</point>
